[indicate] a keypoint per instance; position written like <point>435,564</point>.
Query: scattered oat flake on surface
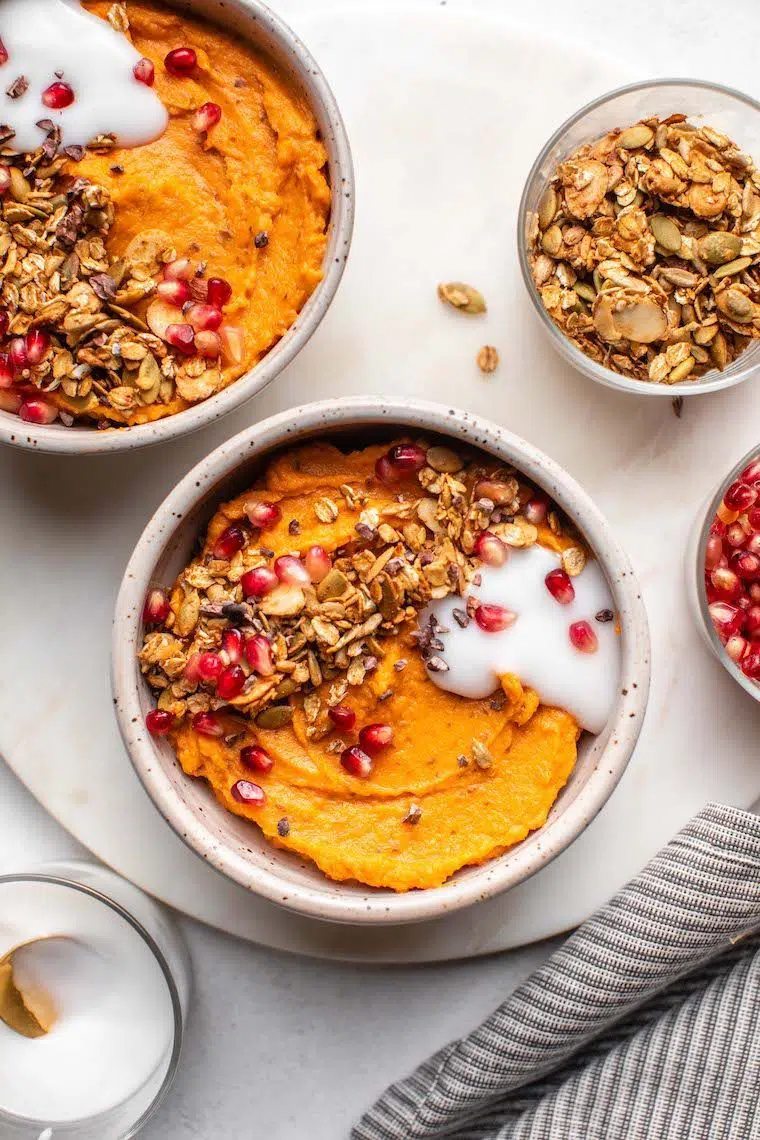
<point>488,358</point>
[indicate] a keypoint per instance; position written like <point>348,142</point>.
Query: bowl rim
<point>695,570</point>
<point>560,342</point>
<point>93,441</point>
<point>380,906</point>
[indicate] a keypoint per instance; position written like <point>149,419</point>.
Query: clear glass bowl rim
<point>573,355</point>
<point>749,686</point>
<point>58,880</point>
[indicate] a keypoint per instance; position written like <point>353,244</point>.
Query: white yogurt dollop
<point>537,646</point>
<point>46,37</point>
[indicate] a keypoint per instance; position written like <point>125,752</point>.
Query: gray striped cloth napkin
<point>645,1025</point>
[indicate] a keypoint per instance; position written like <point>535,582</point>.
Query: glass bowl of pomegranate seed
<point>639,355</point>
<point>723,573</point>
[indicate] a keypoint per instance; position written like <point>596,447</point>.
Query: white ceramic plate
<point>441,153</point>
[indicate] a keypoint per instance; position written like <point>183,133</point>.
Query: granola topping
<point>645,250</point>
<point>330,623</point>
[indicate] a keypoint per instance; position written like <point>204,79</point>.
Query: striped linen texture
<point>644,1025</point>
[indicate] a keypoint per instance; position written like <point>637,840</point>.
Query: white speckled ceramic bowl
<point>709,104</point>
<point>256,23</point>
<point>236,847</point>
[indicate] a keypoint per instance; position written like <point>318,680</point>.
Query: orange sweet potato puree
<point>353,828</point>
<point>262,168</point>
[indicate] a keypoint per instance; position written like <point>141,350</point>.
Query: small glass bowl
<point>695,572</point>
<point>734,114</point>
<point>155,927</point>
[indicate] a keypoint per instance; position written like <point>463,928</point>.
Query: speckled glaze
<point>728,110</point>
<point>256,23</point>
<point>235,847</point>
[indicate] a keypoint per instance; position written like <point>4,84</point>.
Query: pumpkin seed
<point>547,207</point>
<point>443,459</point>
<point>463,297</point>
<point>634,137</point>
<point>275,716</point>
<point>682,370</point>
<point>666,233</point>
<point>719,248</point>
<point>732,268</point>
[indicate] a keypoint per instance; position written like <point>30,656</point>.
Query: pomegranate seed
<point>3,53</point>
<point>356,761</point>
<point>6,370</point>
<point>203,317</point>
<point>144,71</point>
<point>736,647</point>
<point>713,551</point>
<point>498,493</point>
<point>233,344</point>
<point>157,608</point>
<point>37,344</point>
<point>752,622</point>
<point>34,411</point>
<point>179,270</point>
<point>735,535</point>
<point>740,496</point>
<point>209,666</point>
<point>181,337</point>
<point>374,738</point>
<point>583,638</point>
<point>493,619</point>
<point>232,645</point>
<point>535,510</point>
<point>258,654</point>
<point>229,542</point>
<point>181,62</point>
<point>208,345</point>
<point>726,619</point>
<point>560,587</point>
<point>751,473</point>
<point>342,717</point>
<point>207,116</point>
<point>259,582</point>
<point>158,722</point>
<point>10,401</point>
<point>753,518</point>
<point>261,514</point>
<point>753,544</point>
<point>318,563</point>
<point>407,457</point>
<point>725,515</point>
<point>291,570</point>
<point>746,565</point>
<point>754,592</point>
<point>750,665</point>
<point>5,179</point>
<point>219,291</point>
<point>174,291</point>
<point>190,672</point>
<point>208,724</point>
<point>385,472</point>
<point>231,683</point>
<point>726,583</point>
<point>58,95</point>
<point>490,549</point>
<point>19,358</point>
<point>247,793</point>
<point>256,758</point>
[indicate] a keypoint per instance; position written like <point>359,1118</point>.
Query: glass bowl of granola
<point>723,572</point>
<point>175,217</point>
<point>639,238</point>
<point>378,660</point>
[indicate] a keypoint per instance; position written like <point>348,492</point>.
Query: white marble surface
<point>281,1047</point>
